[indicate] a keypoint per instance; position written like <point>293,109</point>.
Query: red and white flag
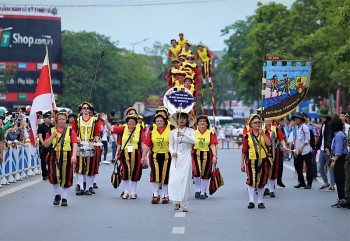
<point>43,99</point>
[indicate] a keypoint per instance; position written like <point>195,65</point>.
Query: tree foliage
<point>309,30</point>
<point>122,77</point>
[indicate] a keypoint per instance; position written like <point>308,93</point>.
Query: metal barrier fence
<point>21,160</point>
<point>230,144</point>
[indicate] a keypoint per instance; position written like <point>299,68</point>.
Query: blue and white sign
<point>178,98</point>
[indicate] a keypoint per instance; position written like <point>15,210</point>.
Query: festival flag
<point>44,99</point>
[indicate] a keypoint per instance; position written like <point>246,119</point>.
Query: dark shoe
<point>95,185</point>
<point>331,189</point>
<point>261,206</point>
<point>79,192</point>
<point>324,186</point>
<point>266,192</point>
<point>281,184</point>
<point>154,200</point>
<point>84,185</point>
<point>205,194</point>
<point>307,187</point>
<point>197,195</point>
<point>204,86</point>
<point>343,204</point>
<point>64,202</point>
<point>272,194</point>
<point>336,205</point>
<point>92,190</point>
<point>202,196</point>
<point>165,200</point>
<point>87,192</point>
<point>299,185</point>
<point>210,85</point>
<point>77,187</point>
<point>57,200</point>
<point>251,205</point>
<point>45,178</point>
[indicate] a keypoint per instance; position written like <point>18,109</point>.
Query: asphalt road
<point>27,212</point>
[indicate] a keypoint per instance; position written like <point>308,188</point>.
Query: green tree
<point>122,77</point>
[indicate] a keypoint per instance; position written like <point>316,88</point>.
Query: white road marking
<point>19,187</point>
<point>178,230</point>
<point>180,214</point>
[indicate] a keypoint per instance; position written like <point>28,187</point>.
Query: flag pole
<point>52,100</point>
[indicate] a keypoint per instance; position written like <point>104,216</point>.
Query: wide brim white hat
<point>174,117</point>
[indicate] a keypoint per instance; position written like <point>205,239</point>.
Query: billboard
<point>23,38</point>
<point>22,47</point>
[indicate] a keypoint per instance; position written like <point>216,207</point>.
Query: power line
<point>128,4</point>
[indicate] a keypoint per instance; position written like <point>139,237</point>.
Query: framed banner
<point>284,87</point>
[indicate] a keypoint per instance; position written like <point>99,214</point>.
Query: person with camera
<point>339,150</point>
<point>14,132</point>
<point>44,128</point>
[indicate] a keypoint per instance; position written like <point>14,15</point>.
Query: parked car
<point>234,131</point>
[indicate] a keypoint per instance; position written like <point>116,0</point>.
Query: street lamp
<point>135,43</point>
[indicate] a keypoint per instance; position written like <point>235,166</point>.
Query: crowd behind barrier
<point>20,160</point>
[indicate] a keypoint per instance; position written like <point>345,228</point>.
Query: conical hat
<point>174,117</point>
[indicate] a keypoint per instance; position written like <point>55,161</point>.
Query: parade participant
<point>324,145</point>
<point>88,132</point>
<point>42,130</point>
<point>164,110</point>
<point>204,156</point>
<point>182,59</point>
<point>277,137</point>
<point>98,144</point>
<point>132,137</point>
<point>171,75</point>
<point>302,151</point>
<point>196,71</point>
<point>72,122</point>
<point>205,57</point>
<point>188,84</point>
<point>186,50</point>
<point>174,50</point>
<point>63,141</point>
<point>157,141</point>
<point>339,151</point>
<point>254,160</point>
<point>180,81</point>
<point>181,40</point>
<point>180,146</point>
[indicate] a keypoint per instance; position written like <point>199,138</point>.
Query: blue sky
<point>128,22</point>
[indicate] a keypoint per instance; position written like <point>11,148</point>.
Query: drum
<point>85,149</point>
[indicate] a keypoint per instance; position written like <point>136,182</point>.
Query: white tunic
<point>181,167</point>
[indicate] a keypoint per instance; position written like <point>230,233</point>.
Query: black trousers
<point>43,153</point>
<point>299,162</point>
<point>339,176</point>
<point>280,167</point>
